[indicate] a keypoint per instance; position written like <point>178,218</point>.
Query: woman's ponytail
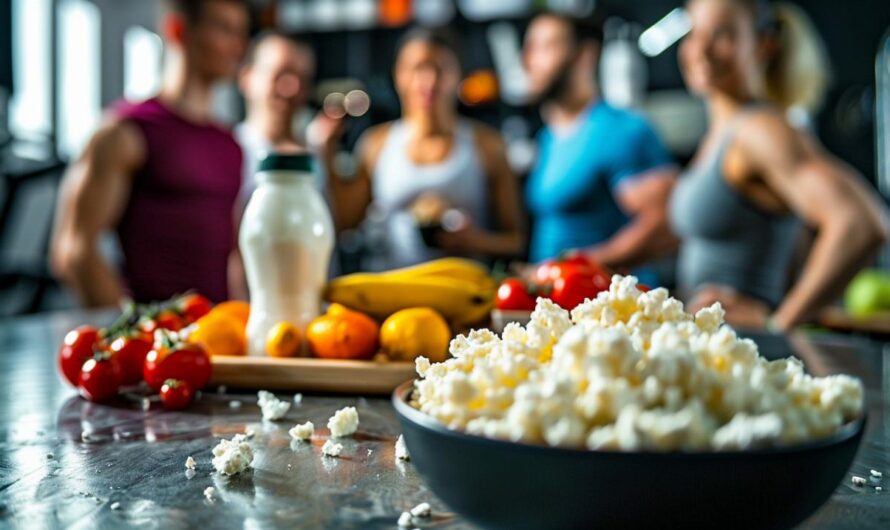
<point>799,72</point>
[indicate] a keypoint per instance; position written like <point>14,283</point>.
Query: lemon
<point>283,340</point>
<point>409,333</point>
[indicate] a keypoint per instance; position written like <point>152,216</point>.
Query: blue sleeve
<point>640,150</point>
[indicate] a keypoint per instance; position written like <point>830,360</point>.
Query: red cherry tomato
<point>186,362</point>
<point>130,353</point>
<point>176,394</point>
<point>548,271</point>
<point>194,306</point>
<point>574,288</point>
<point>513,295</point>
<point>166,319</point>
<point>100,378</point>
<point>77,348</point>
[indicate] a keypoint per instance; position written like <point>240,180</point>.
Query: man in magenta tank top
<point>161,174</point>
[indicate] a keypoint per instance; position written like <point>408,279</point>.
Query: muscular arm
<point>92,197</point>
<point>508,240</point>
<point>849,219</point>
<point>350,198</point>
<point>648,235</point>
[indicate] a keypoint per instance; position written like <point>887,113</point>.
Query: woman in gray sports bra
<point>757,180</point>
<point>415,171</point>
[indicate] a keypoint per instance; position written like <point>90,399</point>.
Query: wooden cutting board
<point>837,318</point>
<point>311,375</point>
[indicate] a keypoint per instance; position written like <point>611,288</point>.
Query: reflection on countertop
<point>65,461</point>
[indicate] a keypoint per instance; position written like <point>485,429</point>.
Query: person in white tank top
<point>430,170</point>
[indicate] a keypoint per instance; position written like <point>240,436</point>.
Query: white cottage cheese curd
<point>630,370</point>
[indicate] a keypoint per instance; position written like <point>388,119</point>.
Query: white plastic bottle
<point>286,240</point>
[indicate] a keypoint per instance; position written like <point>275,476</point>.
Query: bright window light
<point>78,97</point>
<point>143,50</point>
<point>30,106</point>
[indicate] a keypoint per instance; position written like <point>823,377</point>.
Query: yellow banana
<point>380,295</point>
<point>459,268</point>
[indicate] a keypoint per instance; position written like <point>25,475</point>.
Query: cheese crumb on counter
<point>210,493</point>
<point>331,448</point>
<point>344,422</point>
<point>858,481</point>
<point>875,473</point>
<point>272,407</point>
<point>190,463</point>
<point>234,456</point>
<point>115,506</point>
<point>302,431</point>
<point>298,399</point>
<point>422,510</point>
<point>630,370</point>
<point>402,449</point>
<point>405,520</point>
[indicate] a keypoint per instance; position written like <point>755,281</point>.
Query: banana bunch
<point>460,289</point>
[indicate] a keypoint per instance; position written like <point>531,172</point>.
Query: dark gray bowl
<point>504,485</point>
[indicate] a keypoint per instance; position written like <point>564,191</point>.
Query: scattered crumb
<point>298,399</point>
<point>402,449</point>
<point>858,481</point>
<point>115,506</point>
<point>146,404</point>
<point>234,456</point>
<point>331,449</point>
<point>344,422</point>
<point>234,404</point>
<point>370,451</point>
<point>190,463</point>
<point>422,510</point>
<point>210,493</point>
<point>405,520</point>
<point>302,431</point>
<point>876,474</point>
<point>879,489</point>
<point>272,407</point>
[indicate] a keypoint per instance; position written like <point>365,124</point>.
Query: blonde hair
<point>799,73</point>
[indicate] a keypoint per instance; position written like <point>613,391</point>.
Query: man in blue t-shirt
<point>603,178</point>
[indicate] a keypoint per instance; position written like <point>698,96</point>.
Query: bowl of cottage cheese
<point>627,412</point>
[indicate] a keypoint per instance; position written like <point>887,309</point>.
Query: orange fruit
<point>219,334</point>
<point>236,309</point>
<point>342,333</point>
<point>283,340</point>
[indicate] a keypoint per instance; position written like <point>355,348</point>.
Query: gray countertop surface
<point>68,463</point>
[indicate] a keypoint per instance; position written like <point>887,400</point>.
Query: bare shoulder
<point>767,134</point>
<point>372,140</point>
<point>116,141</point>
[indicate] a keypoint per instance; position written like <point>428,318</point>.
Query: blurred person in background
<point>277,82</point>
<point>161,174</point>
<point>755,178</point>
<point>431,168</point>
<point>603,177</point>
